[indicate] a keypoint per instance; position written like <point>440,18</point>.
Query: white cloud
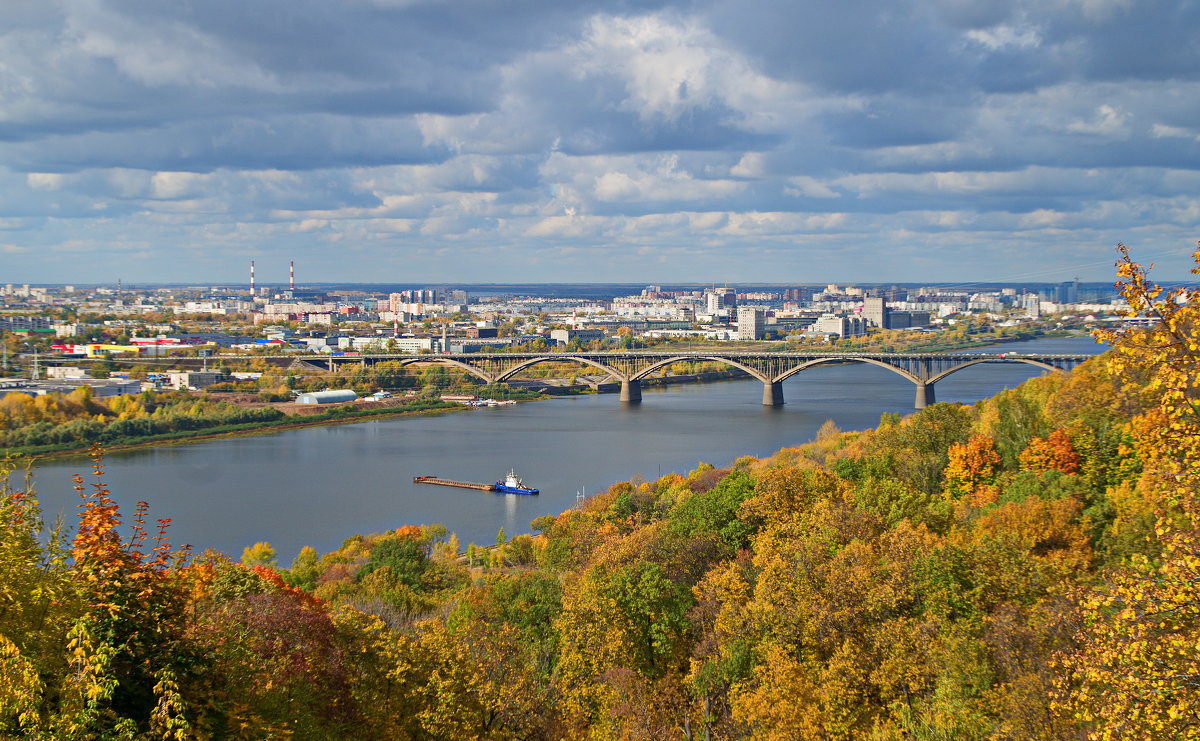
<point>1108,121</point>
<point>174,184</point>
<point>803,185</point>
<point>661,181</point>
<point>1042,218</point>
<point>1005,36</point>
<point>564,226</point>
<point>44,180</point>
<point>751,165</point>
<point>1163,131</point>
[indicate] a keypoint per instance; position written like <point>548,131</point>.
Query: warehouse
<point>326,397</point>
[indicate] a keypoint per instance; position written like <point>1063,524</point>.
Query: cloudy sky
<point>611,140</point>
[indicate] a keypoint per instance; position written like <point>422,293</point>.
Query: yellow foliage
<point>972,464</point>
<point>1136,674</point>
<point>781,701</point>
<point>20,690</point>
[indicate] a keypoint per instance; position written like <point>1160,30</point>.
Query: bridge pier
<point>925,395</point>
<point>773,393</point>
<point>631,392</point>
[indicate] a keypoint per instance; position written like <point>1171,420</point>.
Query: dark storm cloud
<point>853,45</point>
<point>293,142</point>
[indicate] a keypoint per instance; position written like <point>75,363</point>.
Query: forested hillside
<point>1024,568</point>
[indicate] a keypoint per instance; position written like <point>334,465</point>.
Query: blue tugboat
<point>512,484</point>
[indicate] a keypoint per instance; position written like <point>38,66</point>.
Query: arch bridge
<point>629,368</point>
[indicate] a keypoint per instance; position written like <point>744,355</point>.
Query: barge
<point>450,482</point>
<point>511,484</point>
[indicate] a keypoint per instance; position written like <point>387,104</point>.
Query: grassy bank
<point>337,415</point>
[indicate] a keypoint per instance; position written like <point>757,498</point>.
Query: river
<point>319,485</point>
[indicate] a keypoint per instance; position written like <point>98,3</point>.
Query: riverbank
<point>305,415</point>
<point>299,416</point>
<point>321,484</point>
<point>340,415</point>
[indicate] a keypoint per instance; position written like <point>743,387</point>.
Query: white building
<point>66,371</point>
<point>1032,304</point>
<point>842,326</point>
<point>751,323</point>
<point>69,329</point>
<point>388,343</point>
<point>564,336</point>
<point>192,379</point>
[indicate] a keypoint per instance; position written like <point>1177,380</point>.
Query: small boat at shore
<point>512,484</point>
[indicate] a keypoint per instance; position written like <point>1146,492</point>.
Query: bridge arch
<point>968,363</point>
<point>448,361</point>
<point>645,372</point>
<point>616,375</point>
<point>825,361</point>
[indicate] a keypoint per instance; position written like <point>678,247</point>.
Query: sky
<point>433,141</point>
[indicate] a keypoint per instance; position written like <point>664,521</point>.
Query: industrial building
<point>842,326</point>
<point>875,311</point>
<point>564,336</point>
<point>908,319</point>
<point>101,387</point>
<point>192,379</point>
<point>326,397</point>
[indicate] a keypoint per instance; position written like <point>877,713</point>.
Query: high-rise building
<point>1032,304</point>
<point>751,323</point>
<point>875,311</point>
<point>1068,292</point>
<point>716,299</point>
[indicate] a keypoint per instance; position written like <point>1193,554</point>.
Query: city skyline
<point>394,141</point>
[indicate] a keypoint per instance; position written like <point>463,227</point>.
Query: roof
<point>326,397</point>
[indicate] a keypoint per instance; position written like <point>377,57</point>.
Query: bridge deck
<point>772,368</point>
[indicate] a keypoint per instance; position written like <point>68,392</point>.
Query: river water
<point>319,485</point>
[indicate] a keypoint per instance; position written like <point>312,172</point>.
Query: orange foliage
<point>279,586</point>
<point>411,532</point>
<point>1053,453</point>
<point>972,464</point>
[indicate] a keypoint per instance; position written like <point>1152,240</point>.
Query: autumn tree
<point>1055,452</point>
<point>127,659</point>
<point>972,466</point>
<point>1136,674</point>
